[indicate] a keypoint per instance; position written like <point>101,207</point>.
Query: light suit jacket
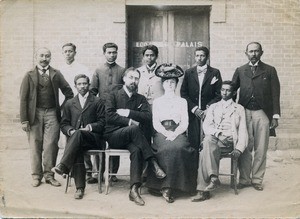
<point>238,123</point>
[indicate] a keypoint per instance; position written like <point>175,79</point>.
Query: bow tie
<point>200,71</point>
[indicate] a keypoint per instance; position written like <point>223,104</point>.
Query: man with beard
<point>40,115</point>
<point>260,95</point>
<point>126,113</point>
<point>83,122</point>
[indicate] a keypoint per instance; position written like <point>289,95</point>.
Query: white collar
<point>255,64</point>
<point>202,67</point>
<point>127,91</point>
<point>226,103</point>
<point>83,97</point>
<point>152,67</point>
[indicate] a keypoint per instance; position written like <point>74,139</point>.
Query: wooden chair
<point>108,164</point>
<point>233,168</point>
<point>98,153</point>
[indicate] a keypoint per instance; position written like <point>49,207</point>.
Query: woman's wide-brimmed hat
<point>168,70</point>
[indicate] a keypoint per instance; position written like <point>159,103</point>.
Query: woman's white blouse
<point>170,108</point>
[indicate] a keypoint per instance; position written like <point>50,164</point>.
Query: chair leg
<point>110,170</point>
<point>234,167</point>
<point>106,173</point>
<point>68,182</point>
<point>99,173</point>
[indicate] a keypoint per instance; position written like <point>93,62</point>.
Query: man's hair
<point>69,44</point>
<point>230,83</point>
<point>131,69</point>
<point>150,47</point>
<point>257,43</point>
<point>109,45</point>
<point>81,76</point>
<point>204,49</point>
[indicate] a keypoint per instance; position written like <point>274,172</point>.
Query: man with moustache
<point>260,95</point>
<point>200,87</point>
<point>83,122</point>
<point>108,78</point>
<point>40,115</point>
<point>126,113</point>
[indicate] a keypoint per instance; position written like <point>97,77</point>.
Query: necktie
<point>44,75</point>
<point>200,71</point>
<point>253,69</point>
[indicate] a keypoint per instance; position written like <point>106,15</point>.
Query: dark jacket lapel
<point>34,76</point>
<point>194,74</point>
<point>76,102</point>
<point>89,100</point>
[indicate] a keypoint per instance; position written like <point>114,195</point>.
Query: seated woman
<point>170,144</point>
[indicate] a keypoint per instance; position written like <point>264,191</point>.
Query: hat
<point>168,70</point>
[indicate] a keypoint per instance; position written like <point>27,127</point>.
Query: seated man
<point>224,128</point>
<point>126,113</point>
<point>83,122</point>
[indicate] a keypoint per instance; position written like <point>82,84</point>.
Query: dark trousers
<point>73,155</point>
<point>133,139</point>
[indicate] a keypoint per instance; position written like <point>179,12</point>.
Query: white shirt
<point>40,69</point>
<point>170,107</point>
<point>82,99</point>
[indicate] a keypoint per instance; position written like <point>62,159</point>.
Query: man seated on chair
<point>126,113</point>
<point>225,131</point>
<point>83,122</point>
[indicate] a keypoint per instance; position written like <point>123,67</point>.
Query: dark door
<point>176,31</point>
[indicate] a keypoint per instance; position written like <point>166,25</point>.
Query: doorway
<point>175,30</point>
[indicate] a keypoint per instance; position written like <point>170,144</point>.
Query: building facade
<point>175,26</point>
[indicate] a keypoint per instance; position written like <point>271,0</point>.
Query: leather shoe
<point>214,183</point>
<point>135,196</point>
<point>79,193</point>
<point>159,173</point>
<point>61,169</point>
<point>242,186</point>
<point>167,195</point>
<point>53,182</point>
<point>36,182</point>
<point>201,196</point>
<point>92,180</point>
<point>258,187</point>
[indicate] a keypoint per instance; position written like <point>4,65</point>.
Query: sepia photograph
<point>149,108</point>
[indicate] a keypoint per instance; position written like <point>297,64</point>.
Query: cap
<point>168,70</point>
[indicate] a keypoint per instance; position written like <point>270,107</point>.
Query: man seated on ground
<point>83,122</point>
<point>126,113</point>
<point>225,131</point>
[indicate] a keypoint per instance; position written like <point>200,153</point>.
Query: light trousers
<point>258,126</point>
<point>43,143</point>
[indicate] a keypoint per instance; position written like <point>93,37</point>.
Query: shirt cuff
<point>130,121</point>
<point>194,109</point>
<point>69,131</point>
<point>276,116</point>
<point>90,127</point>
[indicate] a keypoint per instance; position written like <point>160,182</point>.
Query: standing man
<point>260,95</point>
<point>126,112</point>
<point>83,122</point>
<point>108,78</point>
<point>150,85</point>
<point>40,115</point>
<point>200,87</point>
<point>225,132</point>
<point>70,69</point>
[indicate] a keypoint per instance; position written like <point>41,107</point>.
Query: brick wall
<point>28,24</point>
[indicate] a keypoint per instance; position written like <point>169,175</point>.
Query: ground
<point>280,198</point>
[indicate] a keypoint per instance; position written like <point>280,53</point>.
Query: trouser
<point>209,160</point>
<point>258,129</point>
<point>132,138</point>
<point>73,155</point>
<point>43,137</point>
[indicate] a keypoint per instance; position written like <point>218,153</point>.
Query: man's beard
<point>132,88</point>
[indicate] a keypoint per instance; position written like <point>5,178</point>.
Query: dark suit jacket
<point>210,93</point>
<point>139,110</point>
<point>265,84</point>
<point>28,93</point>
<point>75,117</point>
